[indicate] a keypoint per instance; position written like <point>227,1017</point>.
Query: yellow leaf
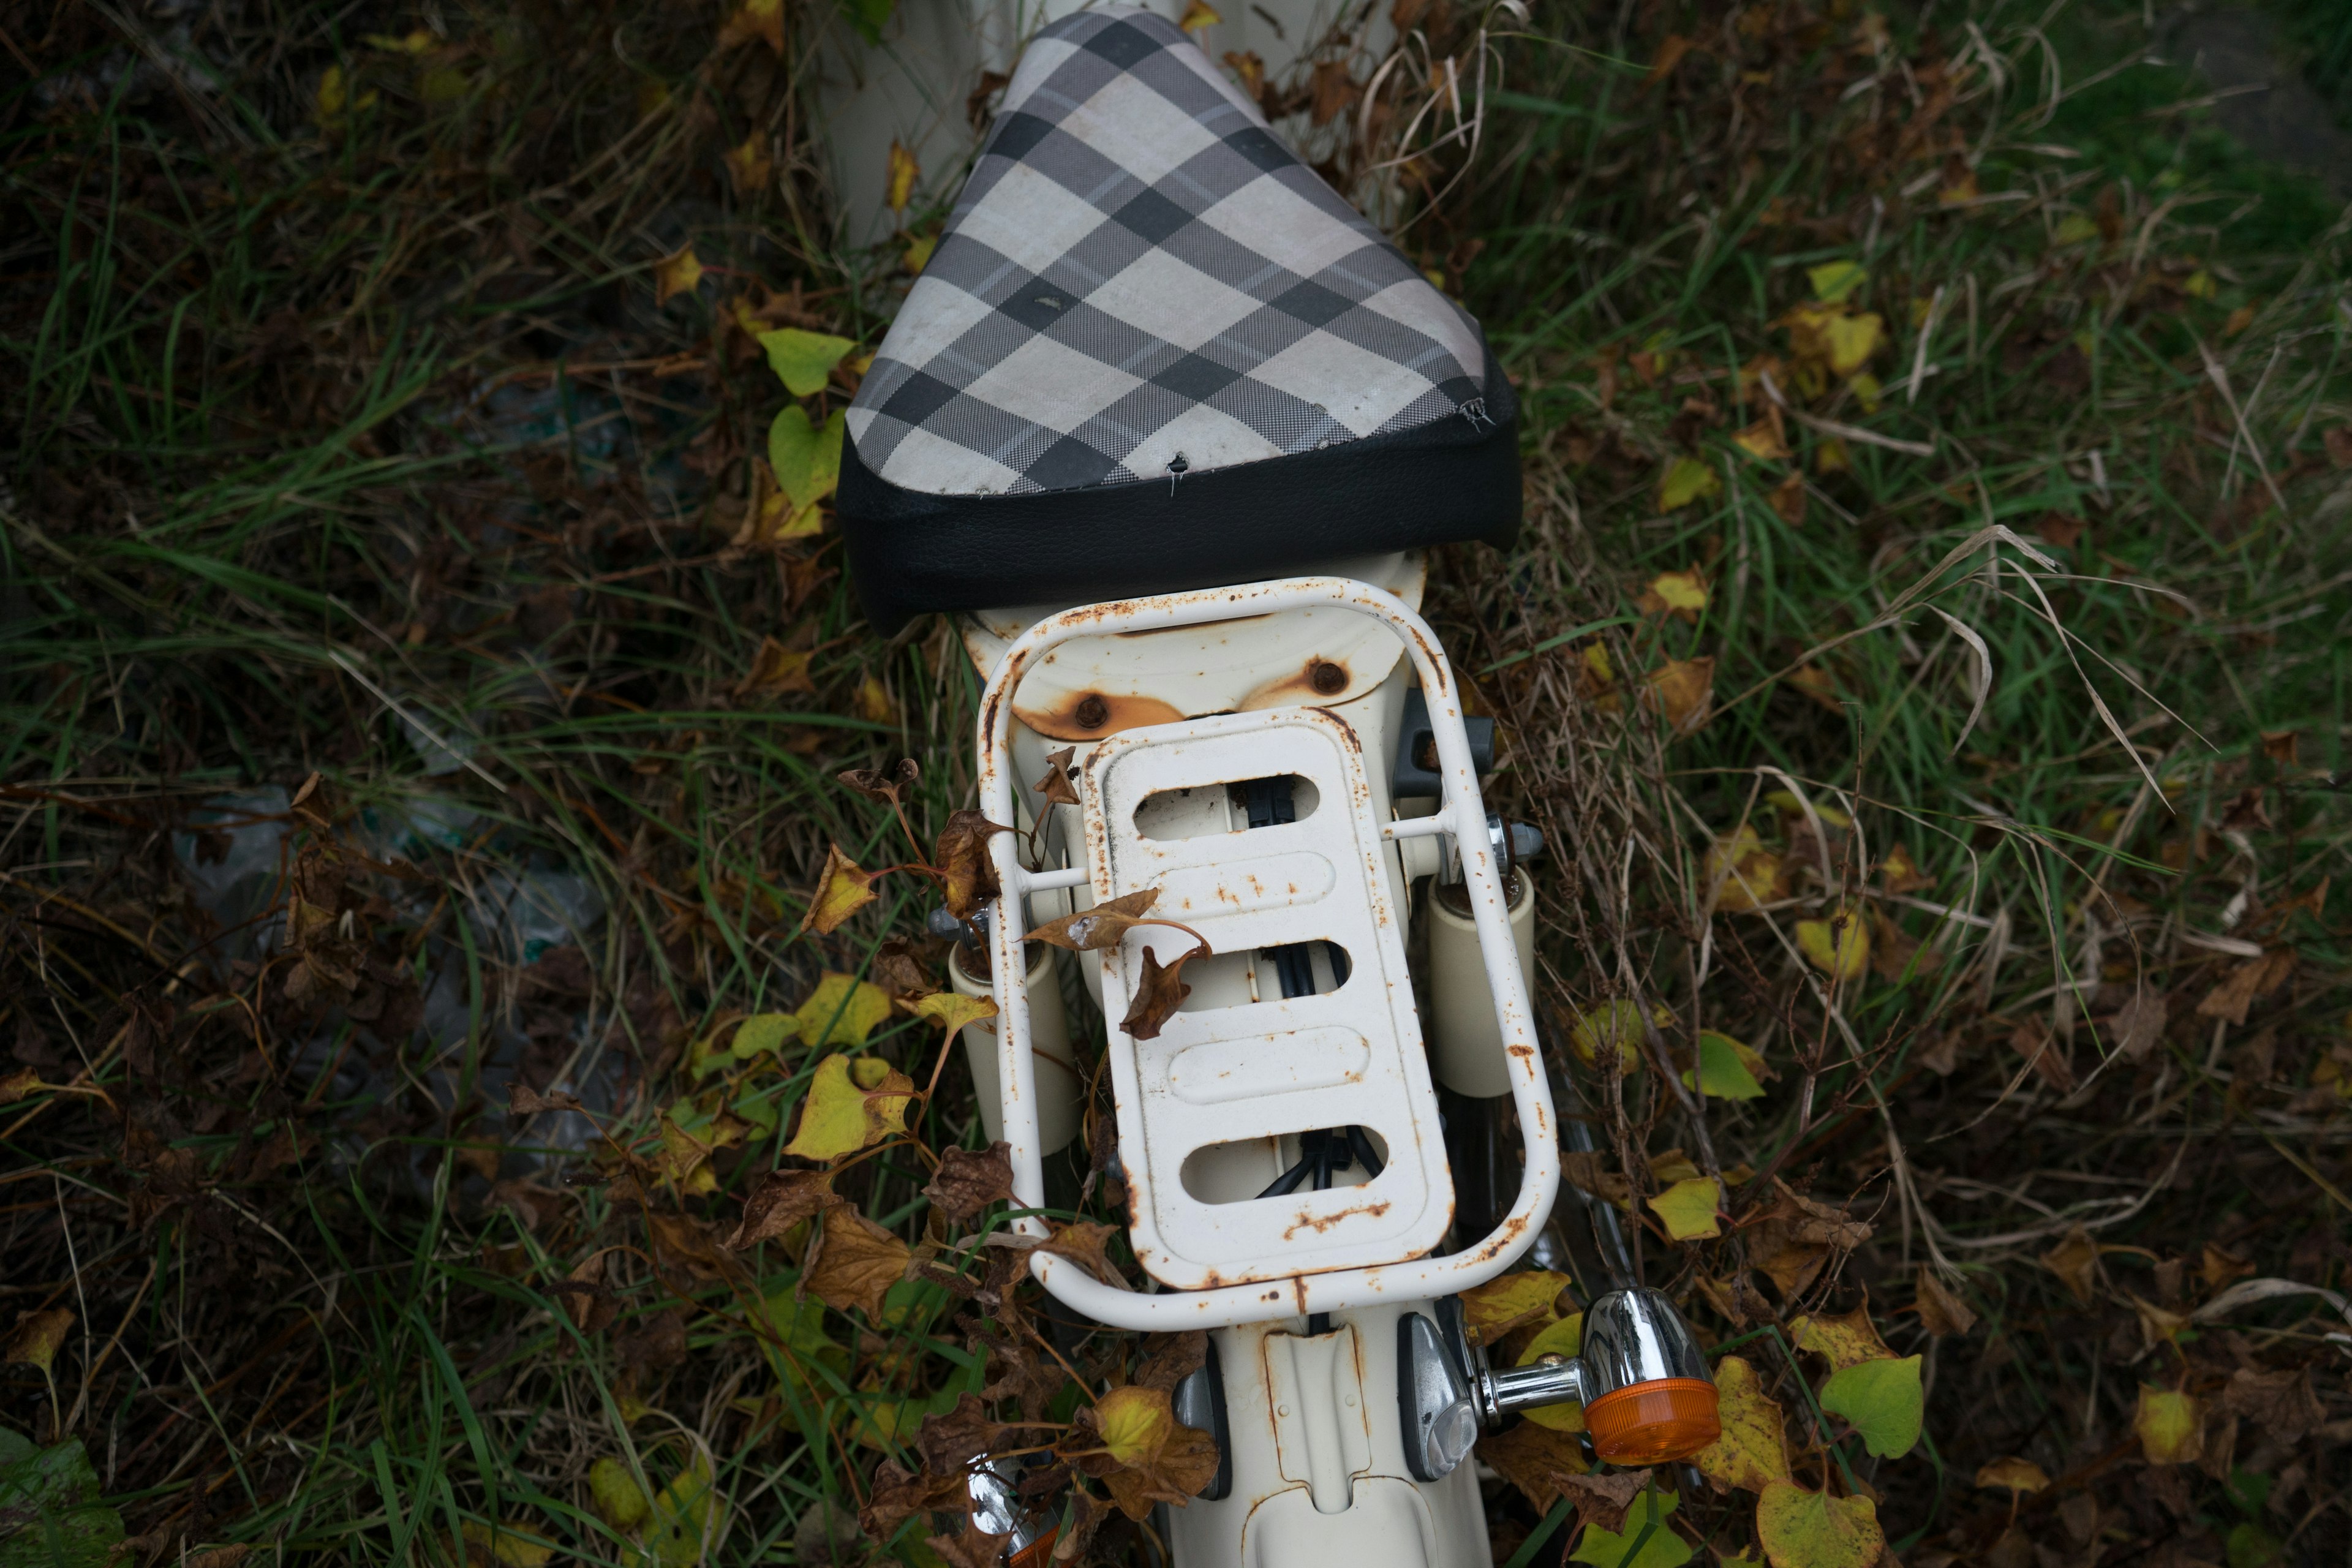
<point>842,1011</point>
<point>1728,1069</point>
<point>952,1012</point>
<point>1866,391</point>
<point>1853,340</point>
<point>676,275</point>
<point>441,85</point>
<point>1135,1421</point>
<point>1682,593</point>
<point>874,704</point>
<point>684,1527</point>
<point>1680,688</point>
<point>2015,1474</point>
<point>1959,193</point>
<point>333,103</point>
<point>841,1116</point>
<point>2171,1426</point>
<point>1688,1209</point>
<point>755,20</point>
<point>1508,1301</point>
<point>2200,285</point>
<point>509,1544</point>
<point>1564,1336</point>
<point>763,1033</point>
<point>898,188</point>
<point>1785,799</point>
<point>1831,457</point>
<point>918,254</point>
<point>1686,479</point>
<point>1801,1528</point>
<point>1763,440</point>
<point>1199,16</point>
<point>1749,876</point>
<point>2075,228</point>
<point>36,1340</point>
<point>749,165</point>
<point>803,360</point>
<point>1753,1450</point>
<point>1618,1022</point>
<point>1847,1339</point>
<point>1834,280</point>
<point>415,43</point>
<point>842,889</point>
<point>619,1500</point>
<point>1839,946</point>
<point>806,458</point>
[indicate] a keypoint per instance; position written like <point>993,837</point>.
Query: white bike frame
<point>1461,814</point>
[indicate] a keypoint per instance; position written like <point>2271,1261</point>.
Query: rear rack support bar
<point>1462,815</point>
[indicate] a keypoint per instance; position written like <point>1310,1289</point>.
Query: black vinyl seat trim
<point>1449,482</point>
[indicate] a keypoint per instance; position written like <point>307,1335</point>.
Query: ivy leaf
<point>1883,1400</point>
<point>1682,593</point>
<point>1160,1459</point>
<point>1688,1209</point>
<point>37,1339</point>
<point>1753,1449</point>
<point>803,360</point>
<point>1745,875</point>
<point>780,1201</point>
<point>842,1011</point>
<point>2171,1426</point>
<point>806,457</point>
<point>49,1498</point>
<point>842,889</point>
<point>1686,479</point>
<point>1803,1528</point>
<point>968,1180</point>
<point>1616,1549</point>
<point>844,1113</point>
<point>1728,1069</point>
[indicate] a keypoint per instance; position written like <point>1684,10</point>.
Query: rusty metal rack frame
<point>1461,814</point>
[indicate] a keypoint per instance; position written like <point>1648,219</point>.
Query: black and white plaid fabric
<point>1140,278</point>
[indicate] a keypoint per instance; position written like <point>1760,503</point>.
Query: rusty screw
<point>1327,677</point>
<point>1093,713</point>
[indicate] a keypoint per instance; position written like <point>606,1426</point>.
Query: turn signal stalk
<point>1641,1379</point>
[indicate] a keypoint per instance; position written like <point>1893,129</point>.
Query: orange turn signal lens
<point>1037,1553</point>
<point>1649,1422</point>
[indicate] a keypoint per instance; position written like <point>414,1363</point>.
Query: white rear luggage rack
<point>1359,1240</point>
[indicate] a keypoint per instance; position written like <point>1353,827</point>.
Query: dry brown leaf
<point>2338,440</point>
<point>856,1263</point>
<point>899,1496</point>
<point>1670,50</point>
<point>2139,1024</point>
<point>36,1339</point>
<point>676,275</point>
<point>1787,500</point>
<point>780,1201</point>
<point>975,1548</point>
<point>1941,1311</point>
<point>950,1439</point>
<point>1158,993</point>
<point>2032,1040</point>
<point>1087,1510</point>
<point>1090,929</point>
<point>888,789</point>
<point>1601,1500</point>
<point>2282,1405</point>
<point>2217,1265</point>
<point>1528,1455</point>
<point>1152,1457</point>
<point>2254,978</point>
<point>967,877</point>
<point>1680,688</point>
<point>1055,782</point>
<point>968,1180</point>
<point>1082,1242</point>
<point>2075,1261</point>
<point>524,1100</point>
<point>899,969</point>
<point>2013,1474</point>
<point>776,670</point>
<point>1170,1359</point>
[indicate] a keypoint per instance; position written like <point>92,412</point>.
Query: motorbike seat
<point>1153,350</point>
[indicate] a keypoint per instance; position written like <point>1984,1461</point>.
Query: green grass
<point>308,443</point>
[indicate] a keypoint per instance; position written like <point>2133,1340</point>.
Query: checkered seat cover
<point>1153,350</point>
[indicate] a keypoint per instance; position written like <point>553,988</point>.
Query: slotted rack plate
<point>1351,1056</point>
